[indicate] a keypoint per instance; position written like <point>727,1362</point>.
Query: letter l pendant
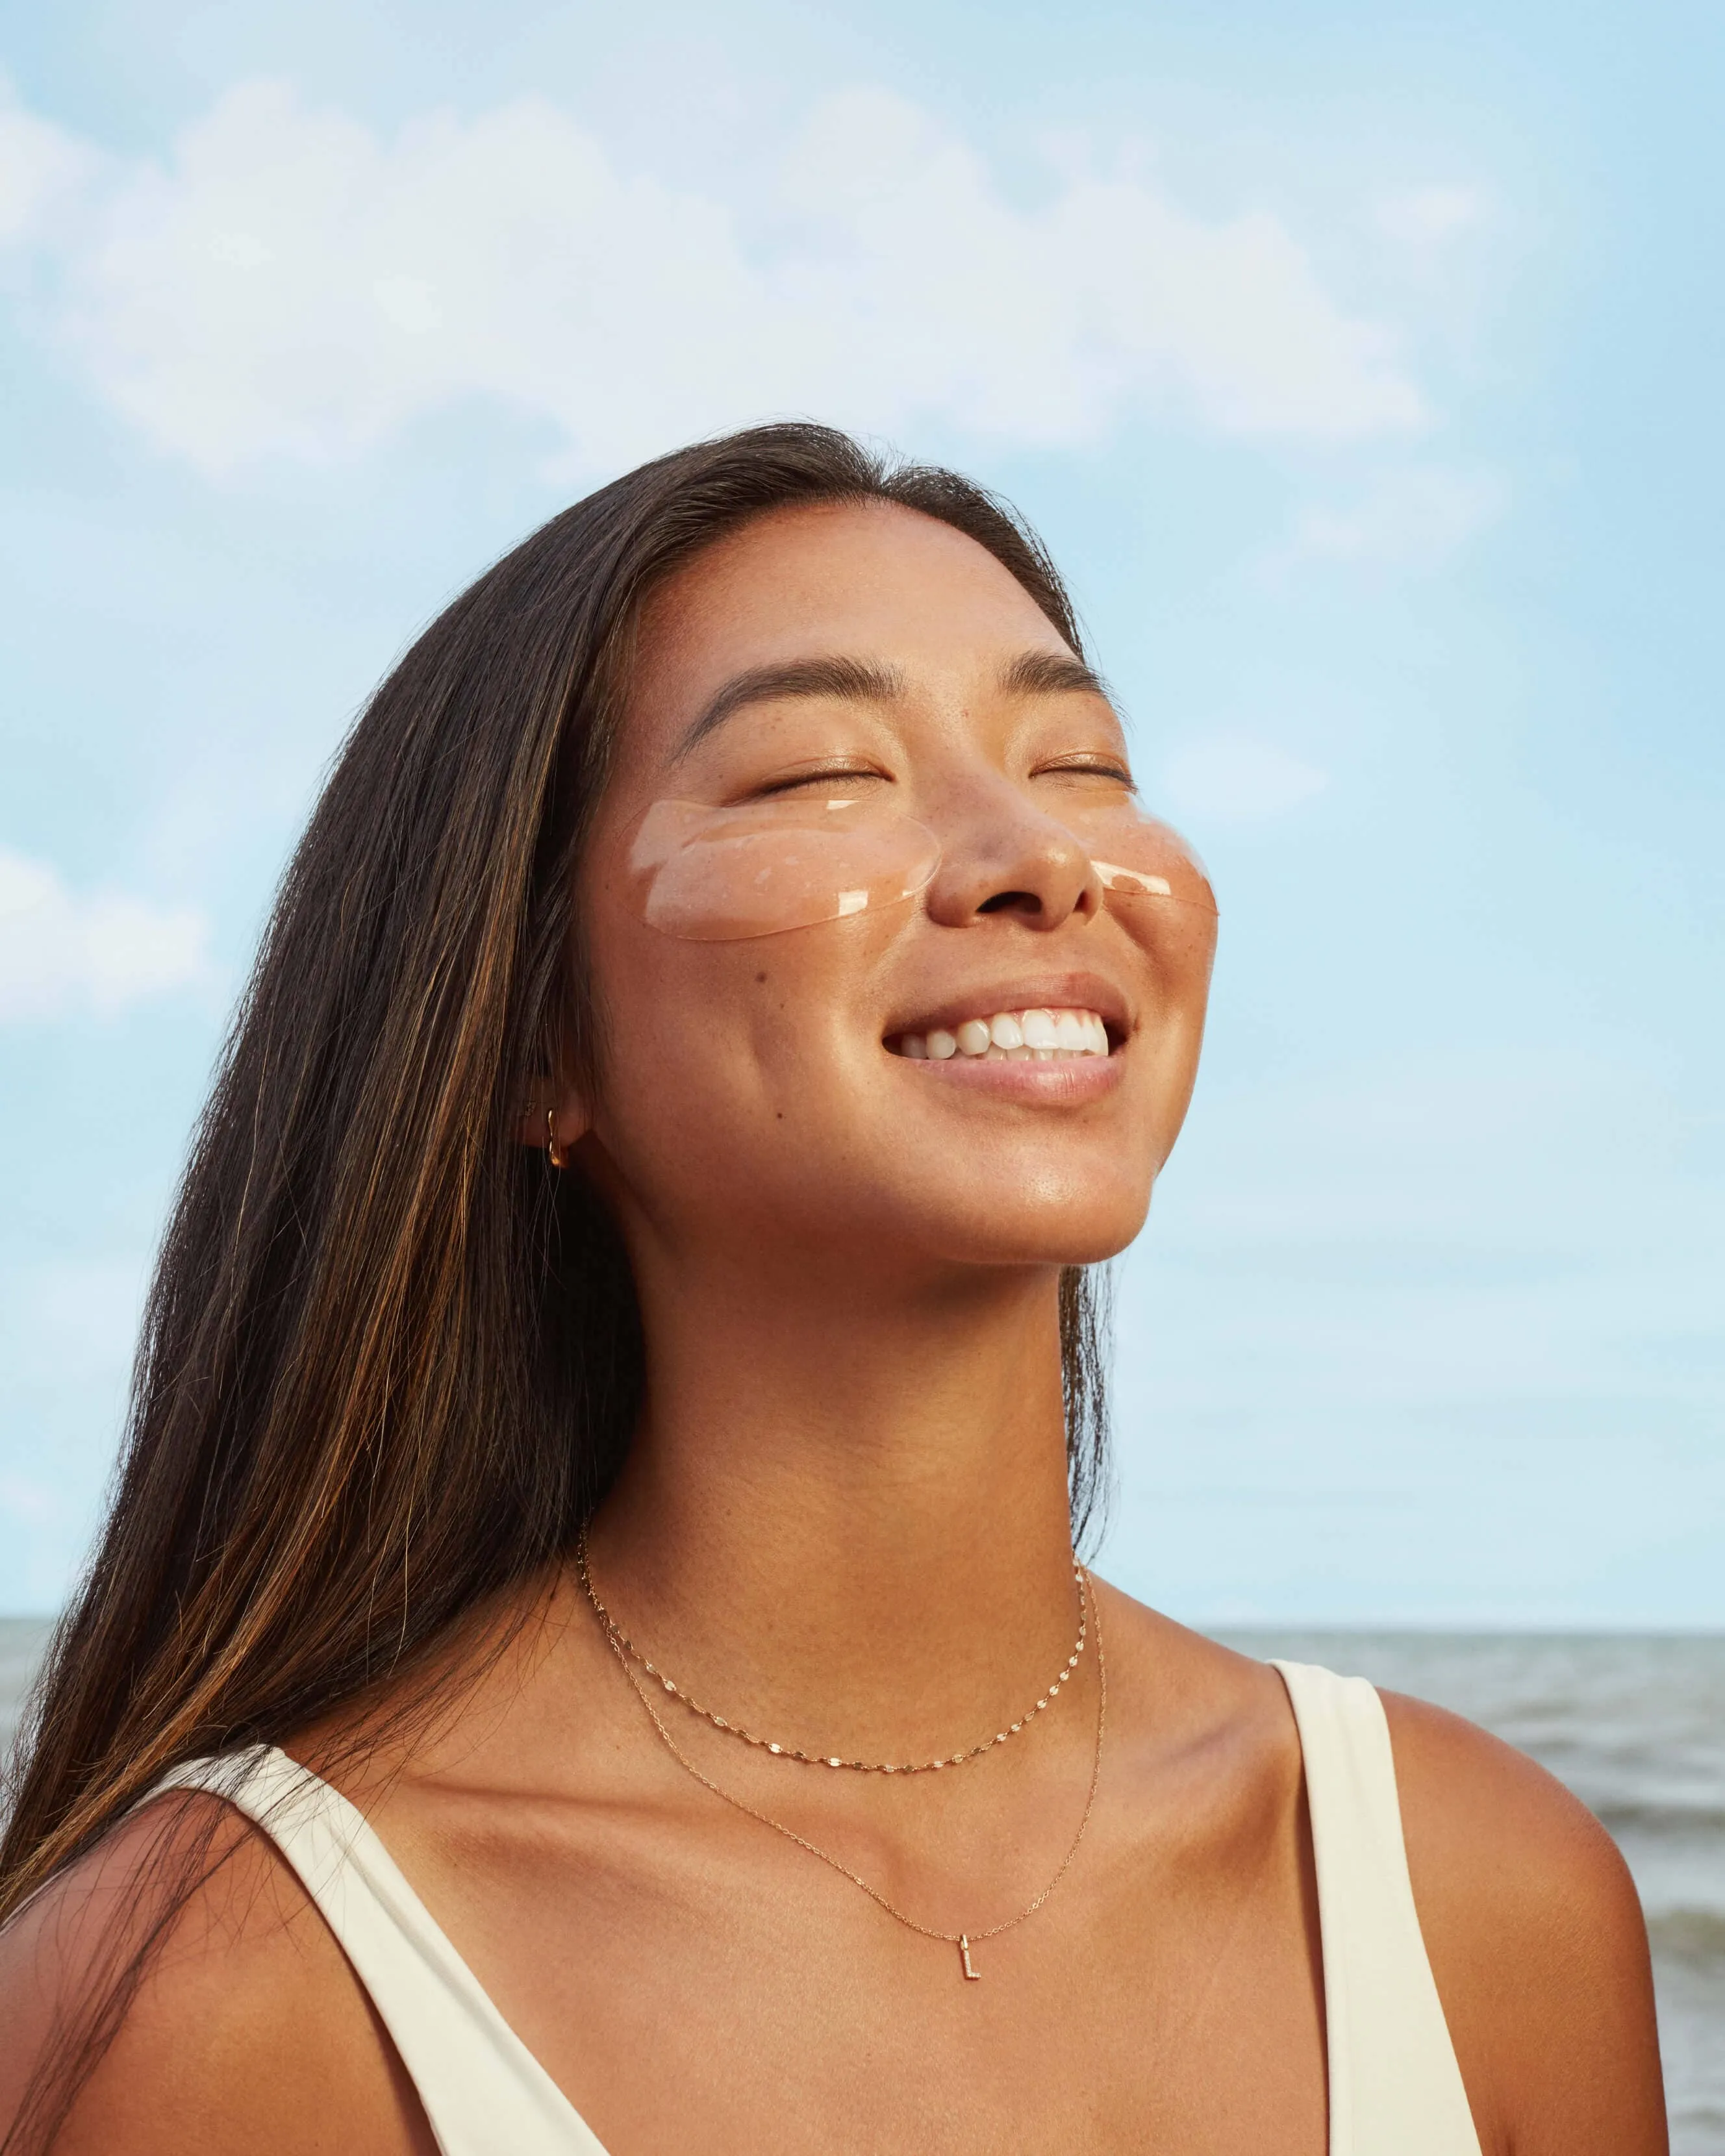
<point>972,1975</point>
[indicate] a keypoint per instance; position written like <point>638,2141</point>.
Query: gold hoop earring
<point>553,1151</point>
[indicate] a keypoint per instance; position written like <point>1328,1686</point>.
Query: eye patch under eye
<point>715,874</point>
<point>1138,856</point>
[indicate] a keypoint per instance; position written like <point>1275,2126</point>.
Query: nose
<point>1001,855</point>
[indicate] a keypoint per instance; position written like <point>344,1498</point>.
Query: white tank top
<point>1394,2088</point>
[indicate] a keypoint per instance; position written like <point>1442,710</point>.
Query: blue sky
<point>1362,366</point>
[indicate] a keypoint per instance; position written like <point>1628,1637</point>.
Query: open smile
<point>1040,1035</point>
<point>1057,1040</point>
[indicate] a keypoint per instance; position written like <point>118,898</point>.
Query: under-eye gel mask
<point>717,875</point>
<point>1137,856</point>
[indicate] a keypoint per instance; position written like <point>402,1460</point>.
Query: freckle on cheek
<point>760,977</point>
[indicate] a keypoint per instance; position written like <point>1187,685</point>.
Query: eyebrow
<point>1051,673</point>
<point>856,681</point>
<point>861,681</point>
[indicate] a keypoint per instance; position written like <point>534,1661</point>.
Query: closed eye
<point>1102,767</point>
<point>828,776</point>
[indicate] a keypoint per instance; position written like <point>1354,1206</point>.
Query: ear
<point>552,1113</point>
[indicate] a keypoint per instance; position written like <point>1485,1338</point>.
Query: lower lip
<point>1052,1084</point>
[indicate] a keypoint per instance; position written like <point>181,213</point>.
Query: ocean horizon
<point>1632,1722</point>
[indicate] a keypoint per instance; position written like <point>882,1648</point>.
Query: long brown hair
<point>389,1363</point>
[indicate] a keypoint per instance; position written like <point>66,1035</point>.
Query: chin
<point>1063,1234</point>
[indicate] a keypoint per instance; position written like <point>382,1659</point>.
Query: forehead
<point>869,581</point>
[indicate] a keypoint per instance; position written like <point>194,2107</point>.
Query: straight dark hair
<point>389,1361</point>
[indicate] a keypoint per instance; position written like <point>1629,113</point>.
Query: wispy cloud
<point>1410,516</point>
<point>288,283</point>
<point>61,951</point>
<point>42,170</point>
<point>1428,216</point>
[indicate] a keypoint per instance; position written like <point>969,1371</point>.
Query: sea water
<point>1634,1725</point>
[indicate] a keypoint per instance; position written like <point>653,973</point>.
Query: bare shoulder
<point>248,2029</point>
<point>1182,1707</point>
<point>1176,1679</point>
<point>1536,1941</point>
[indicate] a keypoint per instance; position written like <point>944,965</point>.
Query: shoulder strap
<point>483,2091</point>
<point>1395,2089</point>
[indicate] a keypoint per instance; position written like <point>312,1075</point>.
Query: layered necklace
<point>637,1669</point>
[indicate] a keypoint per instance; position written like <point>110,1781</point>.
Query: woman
<point>622,1363</point>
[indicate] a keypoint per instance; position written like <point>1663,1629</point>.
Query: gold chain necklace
<point>623,1646</point>
<point>964,1941</point>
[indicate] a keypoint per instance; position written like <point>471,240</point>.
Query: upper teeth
<point>1025,1036</point>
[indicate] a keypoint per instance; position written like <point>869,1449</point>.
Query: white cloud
<point>1234,779</point>
<point>41,168</point>
<point>61,953</point>
<point>1427,217</point>
<point>1415,516</point>
<point>288,283</point>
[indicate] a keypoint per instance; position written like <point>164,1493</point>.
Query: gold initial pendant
<point>972,1975</point>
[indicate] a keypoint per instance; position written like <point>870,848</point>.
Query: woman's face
<point>756,1101</point>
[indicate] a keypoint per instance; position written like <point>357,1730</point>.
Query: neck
<point>845,1514</point>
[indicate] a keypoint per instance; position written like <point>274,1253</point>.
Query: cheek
<point>681,1020</point>
<point>1176,951</point>
<point>713,1049</point>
